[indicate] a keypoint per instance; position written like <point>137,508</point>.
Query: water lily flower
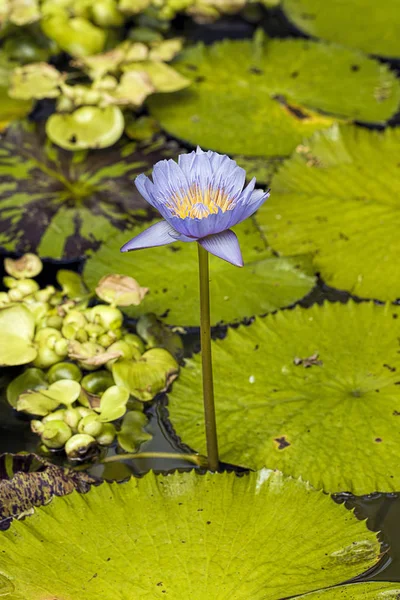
<point>201,197</point>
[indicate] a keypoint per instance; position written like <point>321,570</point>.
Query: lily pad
<point>61,204</point>
<point>358,24</point>
<point>171,273</point>
<point>17,326</point>
<point>326,203</point>
<point>319,390</point>
<point>187,536</point>
<point>27,481</point>
<point>263,99</point>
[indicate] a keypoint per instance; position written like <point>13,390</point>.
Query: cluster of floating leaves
<point>85,369</point>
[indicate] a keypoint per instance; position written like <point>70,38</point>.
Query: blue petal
<point>159,234</point>
<point>225,245</point>
<point>145,188</point>
<point>185,162</point>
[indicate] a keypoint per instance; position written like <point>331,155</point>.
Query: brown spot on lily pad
<point>311,361</point>
<point>282,442</point>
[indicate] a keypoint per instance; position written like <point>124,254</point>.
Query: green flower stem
<point>196,459</point>
<point>205,339</point>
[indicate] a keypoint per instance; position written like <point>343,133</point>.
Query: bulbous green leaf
<point>171,274</point>
<point>83,197</point>
<point>31,379</point>
<point>261,100</point>
<point>146,377</point>
<point>260,536</point>
<point>77,36</point>
<point>86,127</point>
<point>17,326</point>
<point>326,203</point>
<point>319,391</point>
<point>113,403</point>
<point>361,24</point>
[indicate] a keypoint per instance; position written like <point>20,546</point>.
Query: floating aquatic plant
<point>200,198</point>
<point>85,370</point>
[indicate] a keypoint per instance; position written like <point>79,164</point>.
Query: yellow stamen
<point>198,203</point>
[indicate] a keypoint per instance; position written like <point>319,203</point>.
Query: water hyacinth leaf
<point>120,290</point>
<point>326,203</point>
<point>29,265</point>
<point>31,379</point>
<point>171,274</point>
<point>71,284</point>
<point>349,23</point>
<point>151,374</point>
<point>17,326</point>
<point>191,518</point>
<point>163,77</point>
<point>65,391</point>
<point>319,388</point>
<point>77,36</point>
<point>35,81</point>
<point>113,403</point>
<point>158,335</point>
<point>10,108</point>
<point>86,127</point>
<point>23,12</point>
<point>262,100</point>
<point>132,432</point>
<point>36,403</point>
<point>61,204</point>
<point>27,481</point>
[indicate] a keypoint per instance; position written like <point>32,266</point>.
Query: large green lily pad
<point>260,536</point>
<point>319,391</point>
<point>261,99</point>
<point>62,204</point>
<point>363,24</point>
<point>171,274</point>
<point>337,198</point>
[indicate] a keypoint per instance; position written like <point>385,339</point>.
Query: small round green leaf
<point>187,536</point>
<point>262,99</point>
<point>65,391</point>
<point>31,379</point>
<point>326,203</point>
<point>113,403</point>
<point>86,127</point>
<point>17,326</point>
<point>318,389</point>
<point>361,24</point>
<point>77,36</point>
<point>171,274</point>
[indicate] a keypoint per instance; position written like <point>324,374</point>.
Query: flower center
<point>199,204</point>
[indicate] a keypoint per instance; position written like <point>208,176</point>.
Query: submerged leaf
<point>261,100</point>
<point>27,481</point>
<point>258,536</point>
<point>31,379</point>
<point>361,24</point>
<point>171,274</point>
<point>132,432</point>
<point>62,204</point>
<point>335,423</point>
<point>326,203</point>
